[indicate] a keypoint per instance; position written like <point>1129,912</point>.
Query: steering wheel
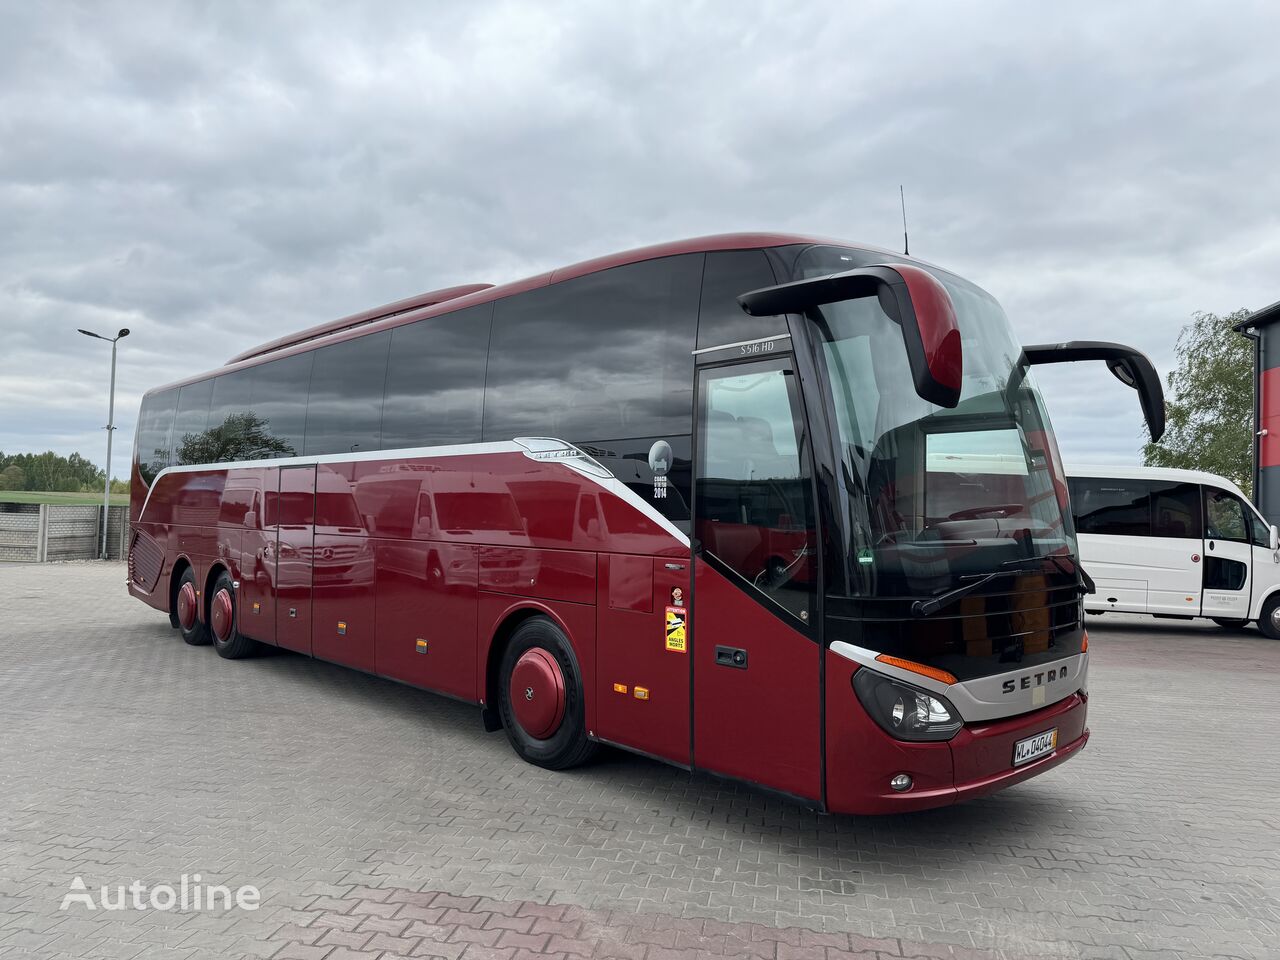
<point>992,510</point>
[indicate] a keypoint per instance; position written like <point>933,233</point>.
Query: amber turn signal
<point>933,673</point>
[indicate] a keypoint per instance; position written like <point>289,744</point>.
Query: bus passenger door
<point>754,643</point>
<point>1228,556</point>
<point>295,518</point>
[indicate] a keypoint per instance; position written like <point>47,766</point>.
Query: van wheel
<point>1269,619</point>
<point>540,697</point>
<point>1228,624</point>
<point>186,607</point>
<point>224,625</point>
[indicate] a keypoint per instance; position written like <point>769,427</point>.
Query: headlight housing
<point>903,711</point>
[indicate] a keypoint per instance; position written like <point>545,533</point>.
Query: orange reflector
<point>1084,647</point>
<point>619,688</point>
<point>933,673</point>
<point>642,693</point>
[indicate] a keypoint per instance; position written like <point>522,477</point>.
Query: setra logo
<point>1039,679</point>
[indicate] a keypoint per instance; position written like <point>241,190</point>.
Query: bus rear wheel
<point>186,606</point>
<point>540,697</point>
<point>1226,623</point>
<point>224,625</point>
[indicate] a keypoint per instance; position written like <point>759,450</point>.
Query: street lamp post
<point>111,426</point>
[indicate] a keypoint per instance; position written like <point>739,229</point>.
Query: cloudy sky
<point>212,175</point>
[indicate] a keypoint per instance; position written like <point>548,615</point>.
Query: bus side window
<point>726,275</point>
<point>1175,510</point>
<point>602,357</point>
<point>1117,508</point>
<point>1224,516</point>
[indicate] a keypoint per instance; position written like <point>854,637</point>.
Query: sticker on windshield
<point>677,630</point>
<point>865,556</point>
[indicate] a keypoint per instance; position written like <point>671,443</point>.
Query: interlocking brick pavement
<point>378,820</point>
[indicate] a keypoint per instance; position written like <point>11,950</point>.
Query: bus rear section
<point>795,516</point>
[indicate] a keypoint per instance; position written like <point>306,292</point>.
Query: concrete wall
<point>36,533</point>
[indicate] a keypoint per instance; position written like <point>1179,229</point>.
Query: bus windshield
<point>934,496</point>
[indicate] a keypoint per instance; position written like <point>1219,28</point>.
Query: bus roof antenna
<point>906,247</point>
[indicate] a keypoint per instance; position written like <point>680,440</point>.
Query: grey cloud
<point>212,176</point>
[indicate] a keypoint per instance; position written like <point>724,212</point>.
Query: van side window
<point>1224,516</point>
<point>1175,510</point>
<point>1117,508</point>
<point>1261,530</point>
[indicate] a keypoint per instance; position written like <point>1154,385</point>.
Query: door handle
<point>731,657</point>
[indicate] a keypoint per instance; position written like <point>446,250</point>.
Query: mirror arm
<point>1129,365</point>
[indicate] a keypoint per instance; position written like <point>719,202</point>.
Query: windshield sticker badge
<point>677,630</point>
<point>660,464</point>
<point>865,556</point>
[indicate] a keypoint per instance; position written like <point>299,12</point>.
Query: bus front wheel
<point>540,697</point>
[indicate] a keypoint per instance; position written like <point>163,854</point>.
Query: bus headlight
<point>903,711</point>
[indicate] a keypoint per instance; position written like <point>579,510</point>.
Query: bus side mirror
<point>1131,367</point>
<point>911,297</point>
<point>1274,540</point>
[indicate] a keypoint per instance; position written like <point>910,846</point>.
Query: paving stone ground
<point>380,820</point>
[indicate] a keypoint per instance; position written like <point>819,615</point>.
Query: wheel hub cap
<point>537,693</point>
<point>187,605</point>
<point>221,615</point>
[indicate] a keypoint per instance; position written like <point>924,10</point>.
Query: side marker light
<point>642,693</point>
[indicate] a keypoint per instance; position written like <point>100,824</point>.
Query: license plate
<point>1024,751</point>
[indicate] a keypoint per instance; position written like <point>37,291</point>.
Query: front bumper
<point>862,758</point>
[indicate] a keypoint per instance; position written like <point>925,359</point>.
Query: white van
<point>1175,543</point>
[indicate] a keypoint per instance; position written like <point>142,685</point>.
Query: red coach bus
<point>781,509</point>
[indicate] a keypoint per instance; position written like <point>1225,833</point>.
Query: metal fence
<point>36,533</point>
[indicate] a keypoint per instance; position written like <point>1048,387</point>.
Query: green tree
<point>1209,402</point>
<point>242,436</point>
<point>12,478</point>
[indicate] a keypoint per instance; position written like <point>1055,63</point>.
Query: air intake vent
<point>146,559</point>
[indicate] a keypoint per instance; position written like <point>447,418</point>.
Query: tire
<point>186,611</point>
<point>1228,624</point>
<point>544,719</point>
<point>1269,618</point>
<point>224,621</point>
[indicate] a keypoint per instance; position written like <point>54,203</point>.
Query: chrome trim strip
<point>743,343</point>
<point>582,464</point>
<point>983,698</point>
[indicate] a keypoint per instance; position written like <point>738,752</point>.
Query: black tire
<point>1269,619</point>
<point>237,645</point>
<point>1228,624</point>
<point>198,634</point>
<point>569,745</point>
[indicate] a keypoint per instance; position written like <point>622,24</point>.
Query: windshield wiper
<point>927,608</point>
<point>1084,583</point>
